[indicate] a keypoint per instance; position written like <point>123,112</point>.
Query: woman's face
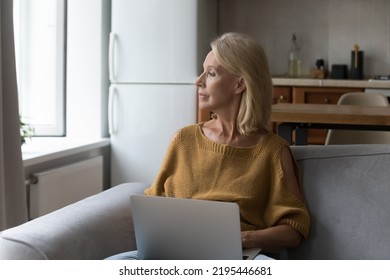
<point>217,87</point>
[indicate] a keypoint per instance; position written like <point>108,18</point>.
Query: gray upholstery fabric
<point>347,189</point>
<point>93,228</point>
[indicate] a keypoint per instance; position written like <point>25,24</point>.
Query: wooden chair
<point>335,137</point>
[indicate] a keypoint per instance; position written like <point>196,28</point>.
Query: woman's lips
<point>202,96</point>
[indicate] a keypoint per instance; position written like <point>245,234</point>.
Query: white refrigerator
<point>156,52</point>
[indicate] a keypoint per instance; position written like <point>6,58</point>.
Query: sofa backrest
<point>347,190</point>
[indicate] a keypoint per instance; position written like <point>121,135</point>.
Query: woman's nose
<point>200,80</point>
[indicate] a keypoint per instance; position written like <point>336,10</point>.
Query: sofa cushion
<point>347,189</point>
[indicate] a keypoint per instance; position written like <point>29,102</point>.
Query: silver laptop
<point>187,229</point>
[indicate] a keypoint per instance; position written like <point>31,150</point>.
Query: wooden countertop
<point>331,114</point>
<point>307,82</point>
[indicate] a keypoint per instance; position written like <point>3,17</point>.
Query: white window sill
<point>42,149</point>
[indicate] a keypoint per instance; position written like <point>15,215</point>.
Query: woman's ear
<point>241,86</point>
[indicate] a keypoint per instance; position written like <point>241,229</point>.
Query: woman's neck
<point>223,131</point>
<point>226,130</point>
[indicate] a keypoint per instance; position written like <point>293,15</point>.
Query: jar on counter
<point>294,62</point>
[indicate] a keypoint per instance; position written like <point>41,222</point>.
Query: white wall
<point>326,29</point>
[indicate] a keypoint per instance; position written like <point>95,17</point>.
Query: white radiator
<point>58,187</point>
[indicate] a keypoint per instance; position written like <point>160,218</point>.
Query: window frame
<point>56,125</point>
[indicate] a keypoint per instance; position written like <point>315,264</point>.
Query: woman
<point>233,157</point>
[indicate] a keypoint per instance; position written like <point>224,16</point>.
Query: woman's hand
<point>271,240</point>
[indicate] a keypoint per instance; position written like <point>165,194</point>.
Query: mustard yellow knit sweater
<point>196,167</point>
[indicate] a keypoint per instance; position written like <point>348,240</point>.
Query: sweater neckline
<point>207,144</point>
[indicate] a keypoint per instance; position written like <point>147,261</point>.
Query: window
<point>40,62</point>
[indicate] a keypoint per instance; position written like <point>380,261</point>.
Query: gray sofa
<point>347,189</point>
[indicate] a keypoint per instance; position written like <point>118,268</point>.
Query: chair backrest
<point>335,137</point>
<point>363,98</point>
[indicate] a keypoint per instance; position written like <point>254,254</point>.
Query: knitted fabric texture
<point>198,168</point>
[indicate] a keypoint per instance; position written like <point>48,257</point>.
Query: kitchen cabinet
<point>320,95</point>
<point>282,94</point>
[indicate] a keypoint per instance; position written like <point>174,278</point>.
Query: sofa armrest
<point>93,228</point>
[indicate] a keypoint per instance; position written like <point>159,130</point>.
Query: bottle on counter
<point>294,62</point>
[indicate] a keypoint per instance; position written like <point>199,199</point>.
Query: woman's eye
<point>211,74</point>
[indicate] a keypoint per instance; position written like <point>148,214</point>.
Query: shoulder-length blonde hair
<point>244,57</point>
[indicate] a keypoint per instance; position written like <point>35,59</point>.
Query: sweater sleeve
<point>157,188</point>
<point>285,207</point>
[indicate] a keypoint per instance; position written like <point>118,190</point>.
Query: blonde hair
<point>244,57</point>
